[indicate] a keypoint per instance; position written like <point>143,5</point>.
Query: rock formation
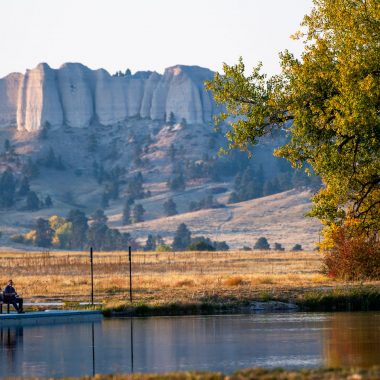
<point>76,96</point>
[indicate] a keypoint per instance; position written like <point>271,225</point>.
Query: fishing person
<point>10,296</point>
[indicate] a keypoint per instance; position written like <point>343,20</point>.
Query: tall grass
<point>161,278</point>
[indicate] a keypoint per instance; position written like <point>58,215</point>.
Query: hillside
<point>145,138</point>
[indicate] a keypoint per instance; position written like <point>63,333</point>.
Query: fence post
<point>130,273</point>
<point>92,275</point>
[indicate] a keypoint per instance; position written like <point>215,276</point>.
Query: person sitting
<point>10,296</point>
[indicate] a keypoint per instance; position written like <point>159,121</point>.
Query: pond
<point>215,343</point>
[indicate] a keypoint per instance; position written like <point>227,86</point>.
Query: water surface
<point>215,343</point>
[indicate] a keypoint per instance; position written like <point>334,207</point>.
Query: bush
<point>352,255</point>
<point>279,247</point>
<point>262,243</point>
<point>297,247</point>
<point>201,246</point>
<point>164,248</point>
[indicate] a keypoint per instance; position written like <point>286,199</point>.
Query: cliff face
<point>9,90</point>
<point>74,95</point>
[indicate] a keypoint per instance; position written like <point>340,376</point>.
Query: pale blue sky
<point>147,34</point>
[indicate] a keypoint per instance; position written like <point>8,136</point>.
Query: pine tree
<point>126,218</point>
<point>170,208</point>
<point>138,213</point>
<point>182,238</point>
<point>7,189</point>
<point>32,201</point>
<point>48,202</point>
<point>44,234</point>
<point>24,187</point>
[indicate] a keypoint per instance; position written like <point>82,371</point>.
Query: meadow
<point>162,278</point>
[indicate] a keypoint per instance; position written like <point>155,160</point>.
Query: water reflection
<point>218,343</point>
<point>352,339</point>
<point>10,338</point>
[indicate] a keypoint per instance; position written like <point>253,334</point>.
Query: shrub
<point>262,243</point>
<point>297,247</point>
<point>352,255</point>
<point>279,247</point>
<point>164,248</point>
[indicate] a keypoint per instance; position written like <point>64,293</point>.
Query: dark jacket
<point>10,291</point>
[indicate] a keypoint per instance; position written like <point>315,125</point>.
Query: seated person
<point>10,296</point>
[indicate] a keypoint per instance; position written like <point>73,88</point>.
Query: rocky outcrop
<point>9,90</point>
<point>76,96</point>
<point>38,99</point>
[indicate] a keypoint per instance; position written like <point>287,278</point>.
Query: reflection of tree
<point>10,338</point>
<point>352,340</point>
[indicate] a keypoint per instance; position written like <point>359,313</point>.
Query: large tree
<point>327,101</point>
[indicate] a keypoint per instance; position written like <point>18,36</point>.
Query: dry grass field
<point>162,278</point>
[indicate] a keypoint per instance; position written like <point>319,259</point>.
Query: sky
<point>147,34</point>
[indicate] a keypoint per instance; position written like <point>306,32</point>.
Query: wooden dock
<point>49,317</point>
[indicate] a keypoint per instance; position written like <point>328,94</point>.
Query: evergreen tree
<point>24,187</point>
<point>138,213</point>
<point>32,201</point>
<point>177,183</point>
<point>80,226</point>
<point>182,238</point>
<point>7,189</point>
<point>48,201</point>
<point>126,218</point>
<point>171,120</point>
<point>30,169</point>
<point>150,244</point>
<point>44,233</point>
<point>7,146</point>
<point>170,208</point>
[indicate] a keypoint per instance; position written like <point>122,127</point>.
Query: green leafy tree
<point>327,101</point>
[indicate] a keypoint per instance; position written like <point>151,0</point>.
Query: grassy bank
<point>255,374</point>
<point>175,283</point>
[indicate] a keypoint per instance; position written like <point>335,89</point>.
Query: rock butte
<point>76,96</point>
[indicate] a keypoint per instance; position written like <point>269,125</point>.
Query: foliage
<point>182,238</point>
<point>137,215</point>
<point>176,182</point>
<point>153,242</point>
<point>32,201</point>
<point>261,243</point>
<point>278,247</point>
<point>297,248</point>
<point>170,208</point>
<point>164,248</point>
<point>24,187</point>
<point>43,233</point>
<point>7,189</point>
<point>201,244</point>
<point>328,103</point>
<point>353,255</point>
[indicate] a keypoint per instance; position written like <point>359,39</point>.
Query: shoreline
<point>355,298</point>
